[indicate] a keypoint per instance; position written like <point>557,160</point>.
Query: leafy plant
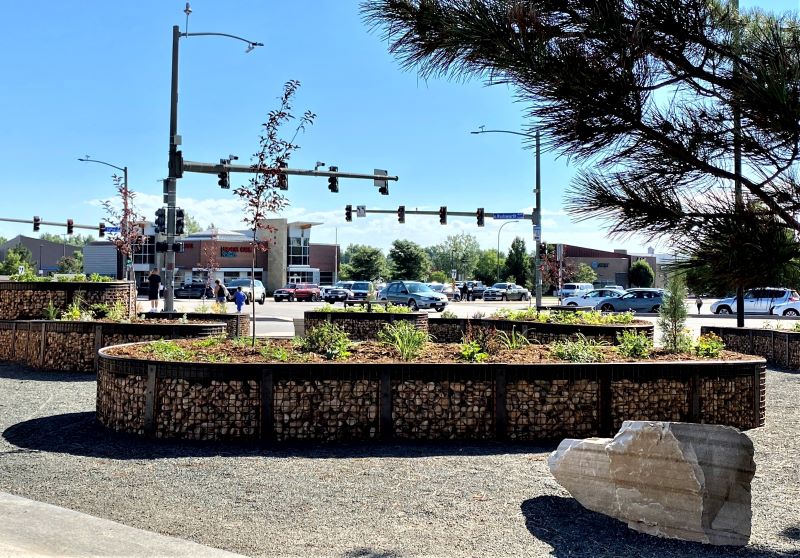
<point>50,311</point>
<point>359,308</point>
<point>166,349</point>
<point>97,278</point>
<point>76,310</point>
<point>219,308</point>
<point>633,344</point>
<point>328,340</point>
<point>709,345</point>
<point>516,340</point>
<point>207,342</point>
<point>478,316</point>
<point>672,316</point>
<point>271,352</point>
<point>472,352</point>
<point>203,308</point>
<point>448,315</point>
<point>405,337</point>
<point>183,319</point>
<point>99,309</point>
<point>213,357</point>
<point>578,350</point>
<point>29,276</point>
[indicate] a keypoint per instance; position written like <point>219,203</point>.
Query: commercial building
<point>611,267</point>
<point>45,254</point>
<point>226,255</point>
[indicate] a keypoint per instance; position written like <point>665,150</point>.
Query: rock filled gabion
<point>68,351</point>
<point>778,347</point>
<point>121,402</point>
<point>727,401</point>
<point>363,326</point>
<point>210,410</point>
<point>552,409</point>
<point>28,301</point>
<point>662,399</point>
<point>443,410</point>
<point>326,409</point>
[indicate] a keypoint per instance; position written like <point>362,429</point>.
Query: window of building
<point>145,253</point>
<point>326,277</point>
<point>298,251</point>
<point>602,264</point>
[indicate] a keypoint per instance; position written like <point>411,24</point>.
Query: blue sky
<point>93,77</point>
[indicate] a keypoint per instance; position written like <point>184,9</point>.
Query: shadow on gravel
<point>12,372</point>
<point>79,434</point>
<point>572,530</point>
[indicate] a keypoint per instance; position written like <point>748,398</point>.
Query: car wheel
<point>456,298</point>
<point>290,298</point>
<point>413,305</point>
<point>791,312</point>
<point>607,308</point>
<point>263,299</point>
<point>524,297</point>
<point>314,298</point>
<point>504,298</point>
<point>572,304</point>
<point>724,310</point>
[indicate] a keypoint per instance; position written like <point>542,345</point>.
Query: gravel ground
<point>356,500</point>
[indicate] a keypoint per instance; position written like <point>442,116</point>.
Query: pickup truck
<point>477,289</point>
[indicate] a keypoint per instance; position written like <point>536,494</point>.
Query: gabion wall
<point>340,402</point>
<point>23,300</point>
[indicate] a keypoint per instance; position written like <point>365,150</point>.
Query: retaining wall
<point>236,325</point>
<point>776,346</point>
<point>336,402</point>
<point>23,300</point>
<point>73,346</point>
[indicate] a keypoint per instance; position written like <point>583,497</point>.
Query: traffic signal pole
<point>537,227</point>
<point>170,184</point>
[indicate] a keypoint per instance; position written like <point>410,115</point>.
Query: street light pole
<point>175,160</point>
<point>497,255</point>
<point>537,211</point>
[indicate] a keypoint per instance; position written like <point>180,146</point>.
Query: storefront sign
<point>233,251</point>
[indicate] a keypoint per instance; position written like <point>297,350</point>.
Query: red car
<point>297,291</point>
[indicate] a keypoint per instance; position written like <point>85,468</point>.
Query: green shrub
<point>447,314</point>
<point>76,310</point>
<point>405,337</point>
<point>514,341</point>
<point>328,340</point>
<point>580,317</point>
<point>206,342</point>
<point>672,317</point>
<point>359,308</point>
<point>28,275</point>
<point>99,310</point>
<point>633,344</point>
<point>579,350</point>
<point>50,311</point>
<point>165,349</point>
<point>472,352</point>
<point>709,345</point>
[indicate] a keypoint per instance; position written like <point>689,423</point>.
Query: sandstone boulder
<point>670,479</point>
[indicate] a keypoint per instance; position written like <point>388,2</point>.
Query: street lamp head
<point>252,46</point>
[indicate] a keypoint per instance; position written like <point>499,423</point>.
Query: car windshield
<point>437,288</point>
<point>290,286</point>
<point>239,283</point>
<point>360,286</point>
<point>499,286</point>
<point>418,288</point>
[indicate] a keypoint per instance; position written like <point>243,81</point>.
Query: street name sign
<point>508,215</point>
<point>112,229</point>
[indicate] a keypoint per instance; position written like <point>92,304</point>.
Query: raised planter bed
<point>776,346</point>
<point>363,325</point>
<point>345,401</point>
<point>237,325</point>
<point>452,330</point>
<point>72,346</point>
<point>27,300</point>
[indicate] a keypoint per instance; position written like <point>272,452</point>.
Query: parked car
<point>756,301</point>
<point>447,290</point>
<point>334,294</point>
<point>786,309</point>
<point>637,300</point>
<point>297,291</point>
<point>361,289</point>
<point>574,289</point>
<point>506,291</point>
<point>476,288</point>
<point>253,290</point>
<point>591,298</point>
<point>414,294</point>
<point>194,290</point>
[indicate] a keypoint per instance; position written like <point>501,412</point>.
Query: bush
<point>709,345</point>
<point>514,341</point>
<point>358,308</point>
<point>633,344</point>
<point>472,352</point>
<point>448,315</point>
<point>580,350</point>
<point>328,340</point>
<point>672,317</point>
<point>405,337</point>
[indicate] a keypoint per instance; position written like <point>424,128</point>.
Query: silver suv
<point>757,301</point>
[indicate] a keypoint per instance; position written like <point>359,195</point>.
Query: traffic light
<point>178,247</point>
<point>348,213</point>
<point>480,216</point>
<point>70,226</point>
<point>543,251</point>
<point>384,188</point>
<point>161,247</point>
<point>161,221</point>
<point>223,181</point>
<point>37,221</point>
<point>179,222</point>
<point>283,179</point>
<point>401,214</point>
<point>101,230</point>
<point>333,182</point>
<point>443,215</point>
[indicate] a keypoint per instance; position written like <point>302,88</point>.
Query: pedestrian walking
<point>463,290</point>
<point>469,292</point>
<point>153,288</point>
<point>220,292</point>
<point>699,302</point>
<point>239,298</point>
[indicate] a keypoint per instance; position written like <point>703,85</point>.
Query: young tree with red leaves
<point>261,195</point>
<point>127,218</point>
<point>210,258</point>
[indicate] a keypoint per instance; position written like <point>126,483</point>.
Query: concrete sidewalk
<point>29,528</point>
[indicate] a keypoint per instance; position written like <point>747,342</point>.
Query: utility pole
<point>170,184</point>
<point>537,227</point>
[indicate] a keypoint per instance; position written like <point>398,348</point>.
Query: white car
<point>574,289</point>
<point>592,297</point>
<point>248,286</point>
<point>786,309</point>
<point>758,301</point>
